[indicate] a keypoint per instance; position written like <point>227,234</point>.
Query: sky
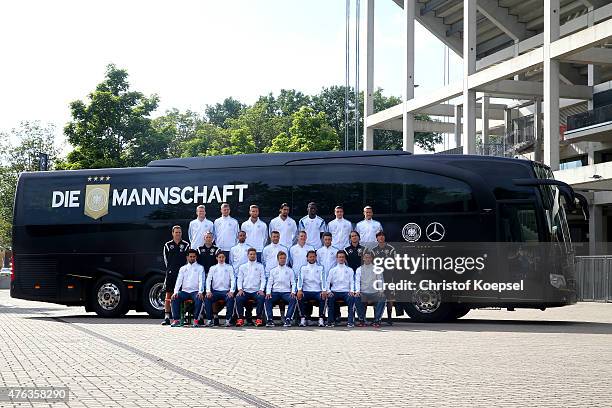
<point>194,53</point>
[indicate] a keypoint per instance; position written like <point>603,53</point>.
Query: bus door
<point>520,250</point>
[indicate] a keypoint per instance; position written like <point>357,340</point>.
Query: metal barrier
<point>594,278</point>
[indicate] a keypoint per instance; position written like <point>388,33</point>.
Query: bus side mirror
<point>565,189</point>
<point>584,205</point>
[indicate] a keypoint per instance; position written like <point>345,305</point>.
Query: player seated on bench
<point>281,287</point>
<point>340,285</point>
<point>251,286</point>
<point>188,287</point>
<point>220,285</point>
<point>311,288</point>
<point>365,280</point>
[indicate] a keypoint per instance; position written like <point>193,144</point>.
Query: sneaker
<point>196,323</point>
<point>239,322</point>
<point>350,325</point>
<point>287,323</point>
<point>376,325</point>
<point>175,323</point>
<point>258,322</point>
<point>228,323</point>
<point>303,322</point>
<point>270,324</point>
<point>389,322</point>
<point>166,322</point>
<point>321,322</point>
<point>331,324</point>
<point>209,323</point>
<point>216,321</point>
<point>337,322</point>
<point>360,324</point>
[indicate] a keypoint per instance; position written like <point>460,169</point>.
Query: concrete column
<point>594,78</point>
<point>469,67</point>
<point>458,114</point>
<point>508,127</point>
<point>596,229</point>
<point>485,119</point>
<point>551,86</point>
<point>408,118</point>
<point>537,130</point>
<point>368,95</point>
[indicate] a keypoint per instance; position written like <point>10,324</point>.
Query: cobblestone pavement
<point>560,357</point>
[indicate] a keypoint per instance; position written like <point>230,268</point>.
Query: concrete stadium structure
<point>537,83</point>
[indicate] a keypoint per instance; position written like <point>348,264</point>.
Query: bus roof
<point>267,159</point>
<point>281,159</point>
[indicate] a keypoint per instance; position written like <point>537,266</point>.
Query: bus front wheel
<point>427,307</point>
<point>154,296</point>
<point>109,297</point>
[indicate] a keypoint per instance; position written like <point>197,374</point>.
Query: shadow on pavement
<point>462,325</point>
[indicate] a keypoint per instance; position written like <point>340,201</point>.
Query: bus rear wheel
<point>427,307</point>
<point>154,296</point>
<point>109,297</point>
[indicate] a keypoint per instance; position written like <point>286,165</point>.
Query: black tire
<point>153,296</point>
<point>109,297</point>
<point>428,307</point>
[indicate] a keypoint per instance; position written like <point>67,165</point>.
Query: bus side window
<point>518,222</point>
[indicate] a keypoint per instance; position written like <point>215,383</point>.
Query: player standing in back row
<point>368,228</point>
<point>175,256</point>
<point>199,227</point>
<point>340,228</point>
<point>313,225</point>
<point>285,225</point>
<point>256,230</point>
<point>226,230</point>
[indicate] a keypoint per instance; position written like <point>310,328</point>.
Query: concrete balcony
<point>591,126</point>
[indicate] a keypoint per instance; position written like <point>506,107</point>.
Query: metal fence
<point>590,118</point>
<point>594,278</point>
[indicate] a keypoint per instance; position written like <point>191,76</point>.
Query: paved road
<point>560,357</point>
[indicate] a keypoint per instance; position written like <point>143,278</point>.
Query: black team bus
<point>94,237</point>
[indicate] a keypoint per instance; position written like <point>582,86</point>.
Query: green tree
<point>208,138</point>
<point>289,101</point>
<point>309,131</point>
<point>20,150</point>
<point>261,123</point>
<point>239,142</point>
<point>331,101</point>
<point>177,127</point>
<point>113,128</point>
<point>219,113</point>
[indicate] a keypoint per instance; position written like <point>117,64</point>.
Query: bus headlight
<point>558,281</point>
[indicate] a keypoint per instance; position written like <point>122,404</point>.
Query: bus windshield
<point>556,219</point>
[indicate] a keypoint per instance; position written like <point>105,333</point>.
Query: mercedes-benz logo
<point>435,231</point>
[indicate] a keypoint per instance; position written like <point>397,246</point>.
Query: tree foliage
<point>20,150</point>
<point>309,131</point>
<point>113,128</point>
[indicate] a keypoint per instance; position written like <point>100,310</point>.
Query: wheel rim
<point>157,297</point>
<point>427,301</point>
<point>109,296</point>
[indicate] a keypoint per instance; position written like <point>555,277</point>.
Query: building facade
<point>537,84</point>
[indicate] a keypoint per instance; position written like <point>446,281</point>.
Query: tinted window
<point>387,190</point>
